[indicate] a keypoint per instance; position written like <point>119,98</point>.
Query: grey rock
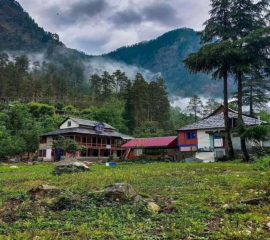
<point>138,198</point>
<point>42,192</point>
<point>120,191</point>
<point>69,166</point>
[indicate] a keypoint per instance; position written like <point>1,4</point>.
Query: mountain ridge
<point>164,54</point>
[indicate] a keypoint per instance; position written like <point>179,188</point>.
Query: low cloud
<point>100,64</point>
<point>114,23</point>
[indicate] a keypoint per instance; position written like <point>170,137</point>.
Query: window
<point>43,140</point>
<point>108,141</point>
<point>69,124</point>
<point>190,135</point>
<point>42,153</point>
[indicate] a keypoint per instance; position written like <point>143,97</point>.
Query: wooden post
<point>99,153</point>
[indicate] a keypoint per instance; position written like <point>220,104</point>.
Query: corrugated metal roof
<point>217,121</point>
<point>89,123</point>
<point>88,132</point>
<point>151,142</point>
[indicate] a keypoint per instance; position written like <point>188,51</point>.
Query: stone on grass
<point>225,206</point>
<point>45,191</point>
<point>121,191</point>
<point>153,207</point>
<point>69,166</point>
<point>13,167</point>
<point>267,226</point>
<point>138,198</point>
<point>52,197</point>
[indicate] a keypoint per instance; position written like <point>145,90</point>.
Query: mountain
<point>20,34</point>
<point>165,55</point>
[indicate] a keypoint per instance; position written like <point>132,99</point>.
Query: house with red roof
<point>151,147</point>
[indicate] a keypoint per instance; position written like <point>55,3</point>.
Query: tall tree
<point>255,92</point>
<point>210,106</point>
<point>195,106</point>
<point>215,57</point>
<point>140,99</point>
<point>246,16</point>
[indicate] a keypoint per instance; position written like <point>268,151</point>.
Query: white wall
<point>48,154</point>
<point>203,138</point>
<point>65,124</point>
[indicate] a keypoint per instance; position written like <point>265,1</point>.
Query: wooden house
<point>99,139</point>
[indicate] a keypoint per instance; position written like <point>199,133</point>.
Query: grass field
<point>192,198</point>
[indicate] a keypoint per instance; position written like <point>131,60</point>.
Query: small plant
<point>262,164</point>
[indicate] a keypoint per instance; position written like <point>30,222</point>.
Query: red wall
<point>183,141</point>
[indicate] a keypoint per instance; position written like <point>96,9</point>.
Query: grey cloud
<point>161,12</point>
<point>128,17</point>
<point>77,12</point>
<point>88,8</point>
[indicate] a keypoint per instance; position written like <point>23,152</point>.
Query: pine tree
<point>210,106</point>
<point>247,16</point>
<point>195,106</point>
<point>140,99</point>
<point>216,57</point>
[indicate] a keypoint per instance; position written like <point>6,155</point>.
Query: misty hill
<point>165,55</point>
<point>19,33</point>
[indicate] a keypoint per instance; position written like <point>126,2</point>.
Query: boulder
<point>153,207</point>
<point>120,191</point>
<point>42,192</point>
<point>69,166</point>
<point>89,164</point>
<point>138,198</point>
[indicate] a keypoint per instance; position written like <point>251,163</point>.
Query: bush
<point>262,164</point>
<point>261,151</point>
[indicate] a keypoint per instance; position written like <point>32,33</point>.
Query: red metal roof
<point>151,142</point>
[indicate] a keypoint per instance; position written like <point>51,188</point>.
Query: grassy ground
<point>191,196</point>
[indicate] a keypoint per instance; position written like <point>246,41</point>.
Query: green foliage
<point>260,152</point>
<point>191,197</point>
<point>255,133</point>
<point>262,163</point>
<point>148,129</point>
<point>39,109</point>
<point>67,145</point>
<point>265,116</point>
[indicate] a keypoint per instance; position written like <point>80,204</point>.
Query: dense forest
<point>20,34</point>
<point>37,92</point>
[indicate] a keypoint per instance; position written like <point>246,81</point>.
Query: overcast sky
<point>100,26</point>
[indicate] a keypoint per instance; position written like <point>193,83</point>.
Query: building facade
<point>208,134</point>
<point>99,139</point>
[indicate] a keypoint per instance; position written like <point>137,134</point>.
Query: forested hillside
<point>19,34</point>
<point>165,55</point>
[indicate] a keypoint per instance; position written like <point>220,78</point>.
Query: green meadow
<point>197,202</point>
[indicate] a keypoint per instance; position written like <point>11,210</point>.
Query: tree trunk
<point>229,146</point>
<point>240,115</point>
<point>251,101</point>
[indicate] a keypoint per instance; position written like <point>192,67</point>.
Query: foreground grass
<point>191,196</point>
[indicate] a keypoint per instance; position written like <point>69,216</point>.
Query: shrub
<point>262,164</point>
<point>261,151</point>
